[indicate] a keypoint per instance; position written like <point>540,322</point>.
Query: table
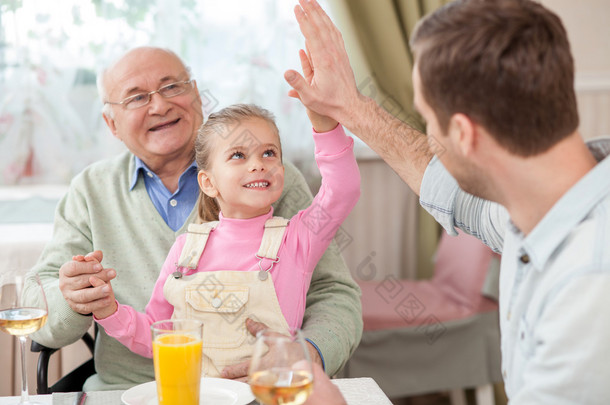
<point>26,225</point>
<point>357,391</point>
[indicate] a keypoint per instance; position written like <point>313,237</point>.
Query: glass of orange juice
<point>177,345</point>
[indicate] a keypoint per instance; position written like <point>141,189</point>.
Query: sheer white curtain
<point>50,121</point>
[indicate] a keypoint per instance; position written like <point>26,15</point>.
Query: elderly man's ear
<point>110,122</point>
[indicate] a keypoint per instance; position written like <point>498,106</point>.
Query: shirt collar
<point>571,208</point>
<point>140,166</point>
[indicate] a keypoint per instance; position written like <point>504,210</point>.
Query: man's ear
<point>206,185</point>
<point>110,123</point>
<point>463,132</point>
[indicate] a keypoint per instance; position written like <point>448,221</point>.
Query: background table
<point>357,391</point>
<point>26,225</point>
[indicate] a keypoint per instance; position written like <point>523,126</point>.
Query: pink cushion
<point>453,293</point>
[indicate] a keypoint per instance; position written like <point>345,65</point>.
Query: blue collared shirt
<point>554,284</point>
<point>174,208</point>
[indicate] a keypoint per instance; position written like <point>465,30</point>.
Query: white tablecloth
<point>357,391</point>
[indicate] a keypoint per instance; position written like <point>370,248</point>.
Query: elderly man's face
<point>163,129</point>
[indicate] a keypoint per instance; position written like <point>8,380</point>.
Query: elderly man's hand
<point>239,371</point>
<point>77,279</point>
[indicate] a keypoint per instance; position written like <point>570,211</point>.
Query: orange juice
<point>177,360</point>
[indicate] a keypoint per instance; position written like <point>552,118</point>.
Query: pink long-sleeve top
<point>234,243</point>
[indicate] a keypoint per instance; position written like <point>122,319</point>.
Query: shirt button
<point>504,374</point>
<point>173,203</point>
<point>149,174</point>
<point>525,259</point>
<point>508,316</point>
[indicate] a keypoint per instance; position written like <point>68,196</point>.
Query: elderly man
<point>131,208</point>
<point>494,82</point>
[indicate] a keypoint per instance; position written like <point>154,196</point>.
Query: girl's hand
<point>109,306</point>
<point>108,302</point>
<point>320,123</point>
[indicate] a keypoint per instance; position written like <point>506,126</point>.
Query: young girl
<point>246,263</point>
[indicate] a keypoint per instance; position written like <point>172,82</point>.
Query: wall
<point>588,26</point>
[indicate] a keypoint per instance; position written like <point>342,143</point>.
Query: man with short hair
<point>494,81</point>
<point>131,208</point>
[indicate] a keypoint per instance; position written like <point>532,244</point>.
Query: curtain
<point>376,34</point>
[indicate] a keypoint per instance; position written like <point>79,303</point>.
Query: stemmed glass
<point>280,370</point>
<point>20,318</point>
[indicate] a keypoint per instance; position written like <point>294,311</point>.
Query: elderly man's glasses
<point>167,91</point>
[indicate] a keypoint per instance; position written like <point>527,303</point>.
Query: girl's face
<point>245,173</point>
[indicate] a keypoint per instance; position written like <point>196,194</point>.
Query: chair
<point>442,334</point>
<point>74,380</point>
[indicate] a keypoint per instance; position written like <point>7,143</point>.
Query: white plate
<point>214,391</point>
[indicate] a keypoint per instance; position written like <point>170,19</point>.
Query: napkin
<point>93,398</point>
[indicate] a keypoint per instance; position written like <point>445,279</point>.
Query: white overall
<point>224,299</point>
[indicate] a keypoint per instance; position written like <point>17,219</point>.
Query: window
<point>50,120</point>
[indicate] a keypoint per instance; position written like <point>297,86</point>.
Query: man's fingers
<point>74,276</point>
<point>88,300</point>
<point>306,66</point>
<point>314,19</point>
<point>95,255</point>
<point>77,268</point>
<point>86,295</point>
<point>308,28</point>
<point>96,281</point>
<point>92,306</point>
<point>255,327</point>
<point>236,371</point>
<point>323,18</point>
<point>240,371</point>
<point>106,275</point>
<point>293,93</point>
<point>298,83</point>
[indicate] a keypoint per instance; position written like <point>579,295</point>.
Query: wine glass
<point>280,370</point>
<point>19,317</point>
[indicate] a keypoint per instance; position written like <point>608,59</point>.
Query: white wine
<point>22,321</point>
<point>295,392</point>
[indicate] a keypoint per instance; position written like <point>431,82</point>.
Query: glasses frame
<point>125,102</point>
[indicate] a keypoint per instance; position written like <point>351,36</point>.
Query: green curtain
<point>383,28</point>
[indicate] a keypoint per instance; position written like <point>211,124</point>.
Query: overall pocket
<point>222,309</point>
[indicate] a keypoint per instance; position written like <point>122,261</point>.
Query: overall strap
<point>272,239</point>
<point>196,239</point>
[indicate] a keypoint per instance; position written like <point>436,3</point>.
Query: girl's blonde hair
<point>219,124</point>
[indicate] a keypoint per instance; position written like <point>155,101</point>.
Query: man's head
<point>505,64</point>
<point>166,126</point>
